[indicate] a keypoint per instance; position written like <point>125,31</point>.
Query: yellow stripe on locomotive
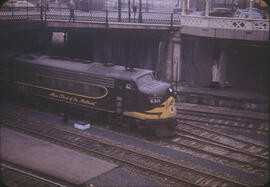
<point>166,110</point>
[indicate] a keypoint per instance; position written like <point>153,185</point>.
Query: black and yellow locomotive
<point>133,95</point>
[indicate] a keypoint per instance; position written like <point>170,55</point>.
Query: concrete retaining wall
<point>229,102</point>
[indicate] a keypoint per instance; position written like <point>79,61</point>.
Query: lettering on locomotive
<point>72,99</point>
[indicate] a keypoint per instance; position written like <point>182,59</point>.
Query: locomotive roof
<point>94,68</point>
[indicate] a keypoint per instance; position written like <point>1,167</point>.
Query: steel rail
<point>85,150</point>
<point>260,167</point>
<point>4,165</point>
<point>243,125</point>
<point>218,134</point>
<point>252,166</point>
<point>125,161</point>
<point>226,126</point>
<point>244,119</point>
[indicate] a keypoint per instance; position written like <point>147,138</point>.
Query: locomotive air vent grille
<point>152,85</point>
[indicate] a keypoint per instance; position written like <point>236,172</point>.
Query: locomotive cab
<point>126,92</point>
<point>151,101</point>
<point>158,96</point>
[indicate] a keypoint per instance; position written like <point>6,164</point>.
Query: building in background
<point>89,4</point>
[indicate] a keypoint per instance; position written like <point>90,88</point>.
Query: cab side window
<point>125,85</point>
<point>156,76</point>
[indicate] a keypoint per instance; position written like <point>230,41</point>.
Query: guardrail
<point>226,23</point>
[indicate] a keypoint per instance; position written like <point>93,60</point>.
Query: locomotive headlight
<point>170,90</point>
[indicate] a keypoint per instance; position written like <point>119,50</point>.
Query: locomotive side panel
<point>60,86</point>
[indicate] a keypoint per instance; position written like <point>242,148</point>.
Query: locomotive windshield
<point>145,79</point>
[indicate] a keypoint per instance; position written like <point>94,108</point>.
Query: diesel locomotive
<point>135,96</point>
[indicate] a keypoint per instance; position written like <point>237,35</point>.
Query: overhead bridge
<point>206,26</point>
<point>181,48</point>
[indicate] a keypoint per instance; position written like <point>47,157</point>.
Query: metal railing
<point>91,16</point>
<point>226,23</point>
<point>12,14</point>
<point>55,14</point>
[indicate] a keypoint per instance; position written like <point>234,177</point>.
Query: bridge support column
<point>223,60</point>
<point>162,54</point>
<point>173,59</point>
<point>206,7</point>
<point>176,57</point>
<point>108,51</point>
<point>183,2</point>
<point>220,65</point>
<point>44,40</point>
<point>168,62</point>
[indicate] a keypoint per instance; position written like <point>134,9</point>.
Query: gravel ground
<point>177,155</point>
<point>254,136</point>
<point>115,177</point>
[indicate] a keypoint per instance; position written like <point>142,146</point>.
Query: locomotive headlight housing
<point>154,100</point>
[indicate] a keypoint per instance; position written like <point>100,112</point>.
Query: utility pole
<point>146,6</point>
<point>187,7</point>
<point>250,9</point>
<point>119,10</point>
<point>134,8</point>
<point>206,7</point>
<point>140,12</point>
<point>183,5</point>
<point>129,13</point>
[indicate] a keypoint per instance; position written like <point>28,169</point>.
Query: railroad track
<point>14,175</point>
<point>223,116</point>
<point>123,156</point>
<point>196,131</point>
<point>238,123</point>
<point>224,154</point>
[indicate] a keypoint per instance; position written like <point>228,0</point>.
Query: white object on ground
<point>82,126</point>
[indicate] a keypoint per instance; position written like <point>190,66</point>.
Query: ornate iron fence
<point>226,23</point>
<point>11,14</point>
<point>91,16</point>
